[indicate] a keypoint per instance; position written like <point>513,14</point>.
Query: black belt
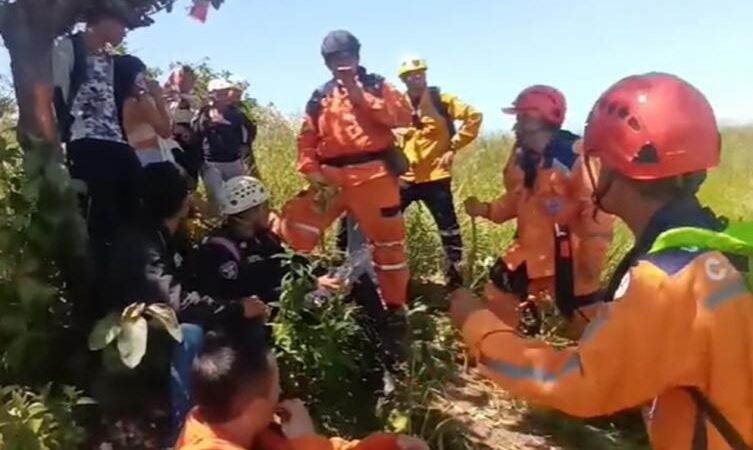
<point>564,276</point>
<point>354,160</point>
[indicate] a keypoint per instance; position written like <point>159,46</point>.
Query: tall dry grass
<point>478,172</point>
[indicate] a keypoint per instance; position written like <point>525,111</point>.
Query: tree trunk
<point>29,33</point>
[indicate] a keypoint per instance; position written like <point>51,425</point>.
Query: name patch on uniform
<point>229,270</point>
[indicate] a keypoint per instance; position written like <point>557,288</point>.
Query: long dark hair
<point>127,69</point>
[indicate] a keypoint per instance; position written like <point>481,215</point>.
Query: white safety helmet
<point>219,84</point>
<point>241,194</point>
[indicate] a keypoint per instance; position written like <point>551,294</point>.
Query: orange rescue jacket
<point>679,319</point>
<point>560,194</point>
<point>199,435</point>
<point>333,128</point>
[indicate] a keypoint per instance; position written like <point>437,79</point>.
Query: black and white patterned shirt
<point>94,110</point>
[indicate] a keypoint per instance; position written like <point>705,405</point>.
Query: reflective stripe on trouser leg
<point>391,265</point>
<point>437,197</point>
<point>375,204</point>
<point>302,224</point>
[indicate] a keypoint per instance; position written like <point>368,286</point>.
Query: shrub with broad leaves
<point>129,329</point>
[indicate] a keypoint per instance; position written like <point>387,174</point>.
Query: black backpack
<point>435,94</point>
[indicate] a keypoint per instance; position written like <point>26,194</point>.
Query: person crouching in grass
<point>237,390</point>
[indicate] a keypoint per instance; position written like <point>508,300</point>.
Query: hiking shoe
<point>454,278</point>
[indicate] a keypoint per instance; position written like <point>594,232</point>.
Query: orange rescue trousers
<point>375,204</point>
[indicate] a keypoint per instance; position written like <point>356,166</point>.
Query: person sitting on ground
<point>237,389</point>
<point>145,117</point>
<point>562,240</point>
<point>242,260</point>
<point>146,267</point>
<point>226,137</point>
<point>243,257</point>
<point>674,334</point>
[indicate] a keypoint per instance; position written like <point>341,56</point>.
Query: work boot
<point>394,337</point>
<point>454,277</point>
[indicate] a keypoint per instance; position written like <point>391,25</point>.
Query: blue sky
<point>484,51</point>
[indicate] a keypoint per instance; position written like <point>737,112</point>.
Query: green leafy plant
<point>37,205</point>
<point>41,420</point>
<point>430,368</point>
<point>130,328</point>
<point>321,352</point>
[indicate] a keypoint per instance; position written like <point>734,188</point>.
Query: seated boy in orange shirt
<point>237,391</point>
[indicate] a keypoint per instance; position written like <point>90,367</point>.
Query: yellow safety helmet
<point>412,65</point>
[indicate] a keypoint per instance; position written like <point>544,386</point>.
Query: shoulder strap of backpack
<point>227,244</point>
<point>372,83</point>
<point>442,108</point>
<point>717,419</point>
<point>78,71</point>
<point>314,105</point>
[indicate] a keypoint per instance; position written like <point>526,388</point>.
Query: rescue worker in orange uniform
<point>674,333</point>
<point>561,242</point>
<point>430,145</point>
<point>237,388</point>
<point>347,153</point>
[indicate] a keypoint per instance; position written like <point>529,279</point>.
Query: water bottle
<point>350,271</point>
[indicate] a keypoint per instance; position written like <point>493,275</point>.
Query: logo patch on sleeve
<point>229,270</point>
<point>716,270</point>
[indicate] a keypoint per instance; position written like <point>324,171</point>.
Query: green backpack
<point>736,239</point>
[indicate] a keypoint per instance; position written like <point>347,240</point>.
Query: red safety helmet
<point>542,102</point>
<point>653,126</point>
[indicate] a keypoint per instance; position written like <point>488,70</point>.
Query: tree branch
<point>67,13</point>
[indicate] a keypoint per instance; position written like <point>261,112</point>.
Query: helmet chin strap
<point>245,225</point>
<point>598,194</point>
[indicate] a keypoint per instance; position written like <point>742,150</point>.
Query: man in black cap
<point>347,152</point>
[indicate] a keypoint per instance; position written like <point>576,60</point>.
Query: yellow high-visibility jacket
<point>423,145</point>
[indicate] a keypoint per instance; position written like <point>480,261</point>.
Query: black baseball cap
<point>339,41</point>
